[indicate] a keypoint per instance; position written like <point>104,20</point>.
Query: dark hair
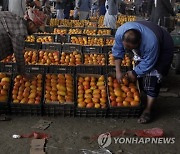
<point>132,36</point>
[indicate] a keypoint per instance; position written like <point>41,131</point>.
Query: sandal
<point>144,118</point>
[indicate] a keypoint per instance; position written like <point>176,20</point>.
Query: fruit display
<point>95,41</point>
<point>54,22</point>
<point>91,92</point>
<point>59,88</point>
<point>65,23</point>
<point>27,92</point>
<point>78,24</point>
<point>125,62</point>
<point>60,31</point>
<point>30,38</point>
<point>41,39</point>
<point>104,32</point>
<point>31,57</point>
<point>75,31</point>
<point>48,57</point>
<point>94,59</point>
<point>9,59</point>
<point>123,19</point>
<point>71,58</point>
<point>82,40</point>
<point>4,87</point>
<point>101,21</point>
<point>90,24</point>
<point>109,41</point>
<point>89,31</point>
<point>123,94</point>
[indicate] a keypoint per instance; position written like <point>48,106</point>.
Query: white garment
<point>60,14</point>
<point>110,20</point>
<point>17,7</point>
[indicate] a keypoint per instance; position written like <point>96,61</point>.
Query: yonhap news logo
<point>105,140</point>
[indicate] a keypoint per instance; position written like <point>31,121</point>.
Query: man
<point>161,9</point>
<point>13,30</point>
<point>17,7</point>
<point>60,5</point>
<point>111,13</point>
<point>84,7</point>
<point>153,48</point>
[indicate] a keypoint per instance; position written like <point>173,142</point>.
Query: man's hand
<point>119,76</point>
<point>131,76</point>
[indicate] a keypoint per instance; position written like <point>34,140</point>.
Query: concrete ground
<point>70,135</point>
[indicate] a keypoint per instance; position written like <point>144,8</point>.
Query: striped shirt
<point>13,30</point>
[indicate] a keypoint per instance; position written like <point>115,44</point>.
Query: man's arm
<point>118,53</point>
<point>18,48</point>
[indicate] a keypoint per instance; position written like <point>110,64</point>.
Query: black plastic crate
<point>90,49</point>
<point>4,108</point>
<point>91,69</point>
<point>62,69</point>
<point>61,38</point>
<point>7,67</point>
<point>107,48</point>
<point>49,29</point>
<point>90,112</point>
<point>124,112</point>
<point>112,69</point>
<point>71,47</point>
<point>26,109</point>
<point>56,108</point>
<point>52,46</point>
<point>66,110</point>
<point>36,68</point>
<point>33,45</point>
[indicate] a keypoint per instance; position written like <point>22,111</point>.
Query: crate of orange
<point>27,95</point>
<point>5,82</point>
<point>59,95</point>
<point>124,98</point>
<point>91,96</point>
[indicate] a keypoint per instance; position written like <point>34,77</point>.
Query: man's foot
<point>145,118</point>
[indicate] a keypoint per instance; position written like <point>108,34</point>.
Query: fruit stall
<point>73,74</point>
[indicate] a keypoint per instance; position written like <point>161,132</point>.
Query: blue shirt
<point>149,48</point>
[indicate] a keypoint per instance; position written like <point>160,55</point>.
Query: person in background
<point>144,8</point>
<point>102,9</point>
<point>94,9</point>
<point>17,7</point>
<point>5,5</point>
<point>84,7</point>
<point>161,9</point>
<point>13,31</point>
<point>38,4</point>
<point>122,7</point>
<point>152,47</point>
<point>60,5</point>
<point>68,6</point>
<point>111,13</point>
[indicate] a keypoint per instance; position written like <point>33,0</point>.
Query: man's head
<point>31,27</point>
<point>131,39</point>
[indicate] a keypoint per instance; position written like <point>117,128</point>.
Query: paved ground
<point>69,135</point>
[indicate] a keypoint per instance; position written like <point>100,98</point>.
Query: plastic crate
<point>109,29</point>
<point>90,49</point>
<point>36,68</point>
<point>62,69</point>
<point>112,69</point>
<point>91,69</point>
<point>57,109</point>
<point>4,106</point>
<point>26,109</point>
<point>49,29</point>
<point>107,48</point>
<point>61,38</point>
<point>90,112</point>
<point>123,112</point>
<point>7,67</point>
<point>71,47</point>
<point>52,46</point>
<point>33,45</point>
